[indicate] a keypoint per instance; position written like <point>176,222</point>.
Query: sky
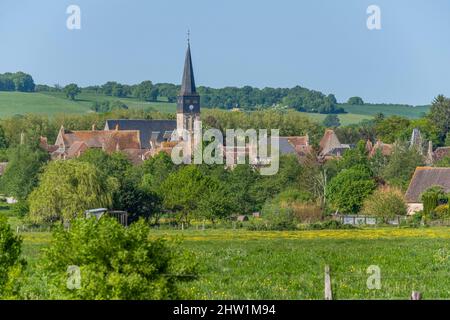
<point>323,45</point>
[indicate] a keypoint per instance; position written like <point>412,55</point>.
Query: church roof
<point>188,82</point>
<point>108,140</point>
<point>158,130</point>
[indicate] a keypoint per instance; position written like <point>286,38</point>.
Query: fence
<point>368,220</point>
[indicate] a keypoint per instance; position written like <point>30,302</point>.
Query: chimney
<point>429,158</point>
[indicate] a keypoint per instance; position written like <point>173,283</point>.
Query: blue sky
<point>319,44</point>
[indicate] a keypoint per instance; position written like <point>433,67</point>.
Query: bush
<point>330,224</point>
<point>304,212</point>
<point>279,218</point>
<point>432,198</point>
<point>115,262</point>
<point>20,209</point>
<point>10,263</point>
<point>385,203</point>
<point>442,211</point>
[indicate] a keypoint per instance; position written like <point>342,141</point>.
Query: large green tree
<point>67,188</point>
<point>11,264</point>
<point>21,174</point>
<point>401,165</point>
<point>71,91</point>
<point>440,115</point>
<point>190,193</point>
<point>347,191</point>
<point>331,121</point>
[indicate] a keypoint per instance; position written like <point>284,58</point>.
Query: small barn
<point>242,218</point>
<point>120,216</point>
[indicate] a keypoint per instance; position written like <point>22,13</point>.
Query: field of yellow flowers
<point>241,264</point>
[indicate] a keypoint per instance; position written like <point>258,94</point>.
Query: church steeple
<point>188,103</point>
<point>188,81</point>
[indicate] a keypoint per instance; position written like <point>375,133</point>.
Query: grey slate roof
<point>425,178</point>
<point>188,82</point>
<point>159,130</point>
<point>286,147</point>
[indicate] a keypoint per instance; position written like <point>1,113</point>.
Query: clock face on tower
<point>188,104</point>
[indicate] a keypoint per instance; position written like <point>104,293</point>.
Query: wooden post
<point>328,293</point>
<point>416,295</point>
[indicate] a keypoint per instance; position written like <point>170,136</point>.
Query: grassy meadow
<point>386,109</point>
<point>241,264</point>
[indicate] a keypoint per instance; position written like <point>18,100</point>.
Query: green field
<point>241,264</point>
<point>345,118</point>
<point>387,110</point>
<point>12,103</point>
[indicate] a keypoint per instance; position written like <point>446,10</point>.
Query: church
<point>140,139</point>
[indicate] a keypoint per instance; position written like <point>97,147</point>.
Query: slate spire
<point>188,82</point>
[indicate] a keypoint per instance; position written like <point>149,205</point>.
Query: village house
<point>331,147</point>
<point>384,148</point>
<point>71,144</point>
<point>423,179</point>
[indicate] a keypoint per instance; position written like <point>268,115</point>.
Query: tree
<point>23,82</point>
<point>132,197</point>
<point>356,157</point>
<point>385,203</point>
<point>331,121</point>
<point>67,188</point>
<point>240,184</point>
<point>4,143</point>
<point>21,174</point>
<point>146,91</point>
<point>355,101</point>
<point>11,264</point>
<point>107,106</point>
<point>440,115</point>
<point>155,171</point>
<point>115,262</point>
<point>111,165</point>
<point>18,81</point>
<point>401,165</point>
<point>391,128</point>
<point>347,191</point>
<point>71,91</point>
<point>185,191</point>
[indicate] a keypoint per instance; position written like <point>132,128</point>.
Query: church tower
<point>188,103</point>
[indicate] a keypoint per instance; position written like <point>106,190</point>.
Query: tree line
<point>247,97</point>
<point>18,81</point>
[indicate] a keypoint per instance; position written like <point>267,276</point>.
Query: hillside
<point>386,109</point>
<point>13,103</point>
